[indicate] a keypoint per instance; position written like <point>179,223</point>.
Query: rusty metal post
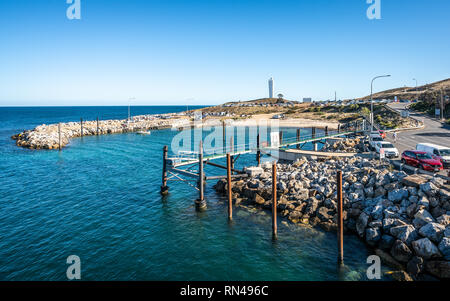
<point>298,138</point>
<point>81,125</point>
<point>230,200</point>
<point>274,200</point>
<point>97,126</point>
<point>340,219</point>
<point>200,203</point>
<point>164,188</point>
<point>59,136</point>
<point>258,152</point>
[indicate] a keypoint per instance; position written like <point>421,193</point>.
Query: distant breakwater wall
<point>55,136</point>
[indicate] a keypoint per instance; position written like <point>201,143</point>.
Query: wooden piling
<point>340,221</point>
<point>59,136</point>
<point>232,151</point>
<point>230,200</point>
<point>224,137</point>
<point>81,125</point>
<point>164,188</point>
<point>326,131</point>
<point>281,138</point>
<point>274,200</point>
<point>298,138</point>
<point>97,126</point>
<point>200,203</point>
<point>339,128</point>
<point>313,136</point>
<point>258,151</point>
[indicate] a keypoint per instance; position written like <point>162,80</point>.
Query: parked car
<point>438,152</point>
<point>421,159</point>
<point>389,150</point>
<point>374,139</point>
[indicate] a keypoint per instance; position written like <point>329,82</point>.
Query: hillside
<point>429,93</point>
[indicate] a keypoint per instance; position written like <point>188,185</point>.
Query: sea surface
<point>99,199</point>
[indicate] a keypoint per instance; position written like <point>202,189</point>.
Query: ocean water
<point>99,199</point>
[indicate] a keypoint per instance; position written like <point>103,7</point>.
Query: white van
<point>438,152</point>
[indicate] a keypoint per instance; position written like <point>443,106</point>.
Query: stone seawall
<point>47,136</point>
<point>405,219</point>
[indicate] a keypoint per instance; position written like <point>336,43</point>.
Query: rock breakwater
<point>47,136</point>
<point>406,219</point>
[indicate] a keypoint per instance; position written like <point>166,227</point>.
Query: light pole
<point>371,100</point>
<point>417,94</point>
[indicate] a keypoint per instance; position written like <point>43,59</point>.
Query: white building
<point>271,87</point>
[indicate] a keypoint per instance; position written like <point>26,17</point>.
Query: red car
<point>382,134</point>
<point>422,160</point>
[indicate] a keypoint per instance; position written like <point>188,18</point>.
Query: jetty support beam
<point>229,188</point>
<point>164,187</point>
<point>340,219</point>
<point>313,136</point>
<point>200,203</point>
<point>274,200</point>
<point>258,151</point>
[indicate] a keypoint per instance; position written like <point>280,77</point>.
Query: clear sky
<point>211,51</point>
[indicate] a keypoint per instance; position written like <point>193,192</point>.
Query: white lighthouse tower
<point>271,87</point>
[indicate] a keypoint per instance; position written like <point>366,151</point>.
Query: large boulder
<point>444,247</point>
<point>429,189</point>
<point>444,220</point>
<point>259,199</point>
<point>313,203</point>
<point>421,218</point>
<point>401,252</point>
<point>406,233</point>
<point>323,214</point>
<point>433,231</point>
<point>302,194</point>
<point>361,223</point>
<point>440,269</point>
<point>386,242</point>
<point>397,195</point>
<point>447,231</point>
<point>388,223</point>
<point>415,266</point>
<point>425,248</point>
<point>373,235</point>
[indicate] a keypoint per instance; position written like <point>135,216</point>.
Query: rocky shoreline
<point>47,136</point>
<point>405,219</point>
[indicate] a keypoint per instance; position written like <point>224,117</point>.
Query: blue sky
<point>212,51</point>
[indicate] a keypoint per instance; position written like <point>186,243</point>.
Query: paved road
<point>434,132</point>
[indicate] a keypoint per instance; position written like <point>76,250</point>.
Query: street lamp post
<point>417,94</point>
<point>371,100</point>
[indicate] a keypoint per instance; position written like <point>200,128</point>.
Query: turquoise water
<point>99,199</point>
